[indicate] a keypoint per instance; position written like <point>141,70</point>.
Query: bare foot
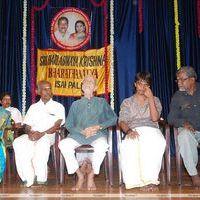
<point>80,181</point>
<point>83,168</point>
<point>90,181</point>
<point>89,168</point>
<point>196,180</point>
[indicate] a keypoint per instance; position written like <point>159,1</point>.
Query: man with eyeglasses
<point>185,115</point>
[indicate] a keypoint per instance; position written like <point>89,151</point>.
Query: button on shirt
<point>42,116</point>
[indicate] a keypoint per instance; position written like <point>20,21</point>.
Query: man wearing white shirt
<point>32,149</point>
<point>62,34</point>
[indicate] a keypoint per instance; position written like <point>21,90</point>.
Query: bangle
<point>128,130</point>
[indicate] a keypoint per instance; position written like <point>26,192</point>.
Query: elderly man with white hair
<point>185,115</point>
<point>32,149</point>
<point>87,122</point>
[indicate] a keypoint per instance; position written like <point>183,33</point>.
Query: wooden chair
<point>179,160</point>
<point>10,160</point>
<point>108,161</point>
<point>166,162</point>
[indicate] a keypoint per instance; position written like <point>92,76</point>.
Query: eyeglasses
<point>181,79</point>
<point>142,83</point>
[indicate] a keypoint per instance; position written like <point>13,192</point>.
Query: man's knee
<point>185,138</point>
<point>183,135</point>
<point>67,144</point>
<point>100,145</point>
<point>43,143</point>
<point>18,142</point>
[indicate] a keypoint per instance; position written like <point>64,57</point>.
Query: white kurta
<point>32,156</point>
<point>141,158</point>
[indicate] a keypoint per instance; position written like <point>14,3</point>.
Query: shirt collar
<point>41,102</point>
<point>86,99</point>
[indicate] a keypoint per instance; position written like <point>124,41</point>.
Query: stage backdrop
<point>152,49</point>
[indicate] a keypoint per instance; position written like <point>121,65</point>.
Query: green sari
<point>5,122</point>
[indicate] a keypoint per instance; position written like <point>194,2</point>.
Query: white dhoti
<point>32,156</point>
<point>141,158</point>
<point>68,146</point>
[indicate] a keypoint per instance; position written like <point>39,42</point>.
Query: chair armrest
<point>63,132</point>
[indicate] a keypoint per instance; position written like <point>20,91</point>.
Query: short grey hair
<point>189,71</point>
<point>42,82</point>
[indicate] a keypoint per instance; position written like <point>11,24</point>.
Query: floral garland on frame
<point>24,39</point>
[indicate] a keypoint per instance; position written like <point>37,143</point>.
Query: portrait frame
<point>74,16</point>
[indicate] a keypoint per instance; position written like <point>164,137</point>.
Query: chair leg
<point>162,172</point>
<point>110,156</point>
<point>178,158</point>
<point>106,167</point>
<point>110,167</point>
<point>8,165</point>
<point>167,155</point>
<point>54,159</point>
<point>62,168</point>
<point>119,136</point>
<point>179,167</point>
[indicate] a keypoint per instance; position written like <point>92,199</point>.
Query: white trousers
<point>67,147</point>
<point>31,157</point>
<point>141,158</point>
<point>188,142</point>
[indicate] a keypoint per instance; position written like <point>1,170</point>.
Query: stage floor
<point>11,188</point>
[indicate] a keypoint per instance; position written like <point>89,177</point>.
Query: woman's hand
<point>132,134</point>
<point>148,93</point>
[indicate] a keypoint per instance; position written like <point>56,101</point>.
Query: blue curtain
<point>153,50</point>
<point>11,49</point>
<point>190,42</point>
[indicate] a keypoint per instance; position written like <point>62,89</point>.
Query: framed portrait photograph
<point>70,28</point>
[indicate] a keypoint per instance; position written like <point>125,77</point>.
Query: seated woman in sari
<point>5,122</point>
<point>143,147</point>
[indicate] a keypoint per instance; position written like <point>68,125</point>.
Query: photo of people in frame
<point>70,29</point>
